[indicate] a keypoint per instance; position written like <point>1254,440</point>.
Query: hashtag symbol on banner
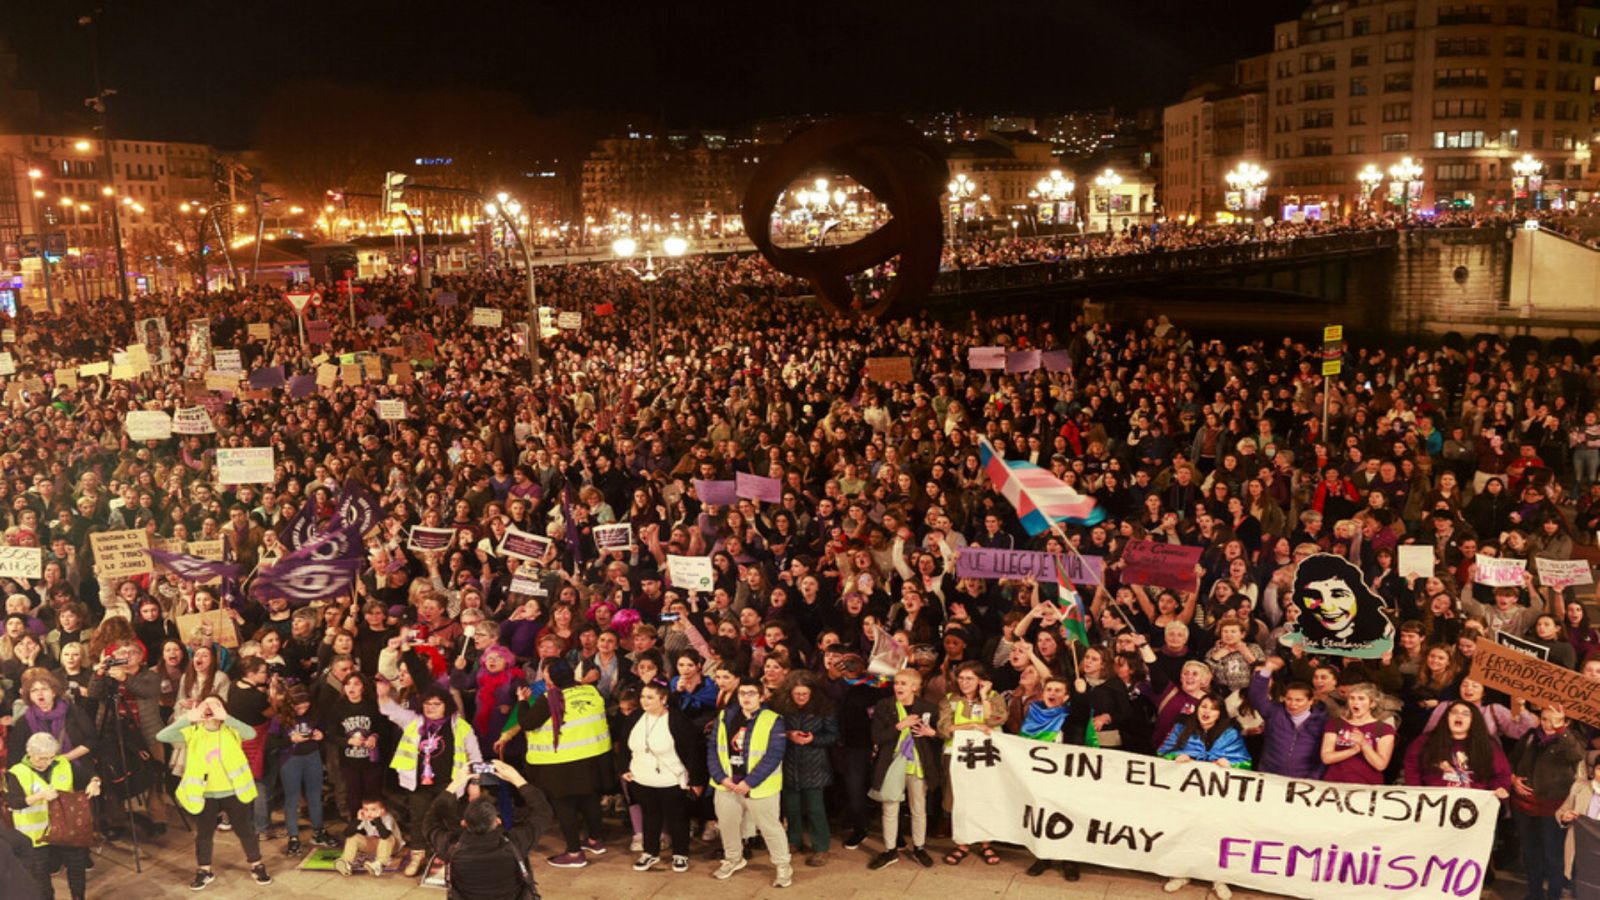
<point>975,754</point>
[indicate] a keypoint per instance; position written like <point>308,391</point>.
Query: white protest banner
<point>527,584</point>
<point>569,321</point>
<point>391,410</point>
<point>428,539</point>
<point>1416,561</point>
<point>486,317</point>
<point>21,562</point>
<point>613,537</point>
<point>89,370</point>
<point>1289,836</point>
<point>691,573</point>
<point>1563,573</point>
<point>1496,571</point>
<point>148,425</point>
<point>8,335</point>
<point>522,545</point>
<point>8,364</point>
<point>228,361</point>
<point>121,553</point>
<point>244,465</point>
<point>193,420</point>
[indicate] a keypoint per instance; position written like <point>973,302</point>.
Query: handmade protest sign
<point>757,487</point>
<point>21,562</point>
<point>569,321</point>
<point>1416,561</point>
<point>986,357</point>
<point>613,537</point>
<point>118,554</point>
<point>1211,823</point>
<point>244,465</point>
<point>147,425</point>
<point>1516,674</point>
<point>228,361</point>
<point>392,410</point>
<point>528,585</point>
<point>1056,360</point>
<point>193,420</point>
<point>1525,647</point>
<point>139,358</point>
<point>889,369</point>
<point>260,331</point>
<point>1339,614</point>
<point>8,363</point>
<point>717,493</point>
<point>1161,564</point>
<point>691,573</point>
<point>1019,361</point>
<point>227,382</point>
<point>207,628</point>
<point>1563,573</point>
<point>89,370</point>
<point>212,549</point>
<point>327,375</point>
<point>486,317</point>
<point>429,539</point>
<point>1497,571</point>
<point>67,378</point>
<point>522,545</point>
<point>994,565</point>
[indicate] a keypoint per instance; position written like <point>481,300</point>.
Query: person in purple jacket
<point>1293,740</point>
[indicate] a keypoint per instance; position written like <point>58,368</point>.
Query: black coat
<point>688,741</point>
<point>886,738</point>
<point>486,866</point>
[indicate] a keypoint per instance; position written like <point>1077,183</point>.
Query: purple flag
<point>377,320</point>
<point>270,377</point>
<point>1022,361</point>
<point>193,568</point>
<point>338,541</point>
<point>359,507</point>
<point>717,493</point>
<point>301,386</point>
<point>302,581</point>
<point>1056,360</point>
<point>756,487</point>
<point>303,527</point>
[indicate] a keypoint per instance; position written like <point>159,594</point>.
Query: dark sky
<point>192,70</point>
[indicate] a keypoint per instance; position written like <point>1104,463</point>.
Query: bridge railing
<point>1152,264</point>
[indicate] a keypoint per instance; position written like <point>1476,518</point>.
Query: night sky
<point>197,71</point>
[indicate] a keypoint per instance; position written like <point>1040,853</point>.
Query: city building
<point>995,183</point>
<point>1218,126</point>
<point>641,181</point>
<point>1455,91</point>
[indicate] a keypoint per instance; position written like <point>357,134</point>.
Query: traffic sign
<point>1332,366</point>
<point>1332,333</point>
<point>299,300</point>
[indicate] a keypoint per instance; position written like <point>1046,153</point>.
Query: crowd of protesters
<point>756,716</point>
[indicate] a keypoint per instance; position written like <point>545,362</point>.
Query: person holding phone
<point>907,765</point>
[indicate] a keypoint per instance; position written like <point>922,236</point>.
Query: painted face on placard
<point>1334,603</point>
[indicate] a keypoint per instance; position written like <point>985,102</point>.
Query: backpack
<point>529,891</point>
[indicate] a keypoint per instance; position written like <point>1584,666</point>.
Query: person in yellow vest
<point>974,705</point>
<point>434,747</point>
<point>746,765</point>
<point>569,756</point>
<point>216,780</point>
<point>907,766</point>
<point>30,786</point>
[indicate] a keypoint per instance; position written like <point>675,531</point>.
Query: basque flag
<point>1039,497</point>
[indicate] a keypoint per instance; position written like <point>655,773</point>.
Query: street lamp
<point>1055,188</point>
<point>1108,181</point>
<point>1244,184</point>
<point>674,246</point>
<point>959,190</point>
<point>1370,178</point>
<point>1527,181</point>
<point>1405,183</point>
<point>499,209</point>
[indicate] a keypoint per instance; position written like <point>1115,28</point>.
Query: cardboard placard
<point>212,549</point>
<point>193,420</point>
<point>391,410</point>
<point>147,425</point>
<point>1516,674</point>
<point>1415,561</point>
<point>67,378</point>
<point>89,370</point>
<point>118,554</point>
<point>1161,564</point>
<point>522,545</point>
<point>216,626</point>
<point>986,358</point>
<point>228,361</point>
<point>260,331</point>
<point>350,374</point>
<point>889,369</point>
<point>245,465</point>
<point>1563,573</point>
<point>21,562</point>
<point>226,382</point>
<point>8,363</point>
<point>486,317</point>
<point>327,375</point>
<point>569,321</point>
<point>691,573</point>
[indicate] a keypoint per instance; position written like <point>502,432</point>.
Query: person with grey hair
<point>43,775</point>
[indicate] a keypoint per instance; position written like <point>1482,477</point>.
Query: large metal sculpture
<point>903,169</point>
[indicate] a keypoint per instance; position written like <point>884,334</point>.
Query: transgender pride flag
<point>1039,498</point>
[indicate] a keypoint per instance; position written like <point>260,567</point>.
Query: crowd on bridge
<point>425,698</point>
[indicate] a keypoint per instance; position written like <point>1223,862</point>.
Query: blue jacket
<point>1287,749</point>
<point>777,744</point>
<point>701,700</point>
<point>1229,746</point>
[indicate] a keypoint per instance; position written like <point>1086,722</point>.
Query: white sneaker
<point>1222,891</point>
<point>728,867</point>
<point>786,878</point>
<point>375,869</point>
<point>1175,885</point>
<point>645,862</point>
<point>637,844</point>
<point>711,832</point>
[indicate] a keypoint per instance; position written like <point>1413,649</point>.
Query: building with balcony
<point>1217,126</point>
<point>1462,87</point>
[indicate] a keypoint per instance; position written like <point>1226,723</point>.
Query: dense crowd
<point>808,697</point>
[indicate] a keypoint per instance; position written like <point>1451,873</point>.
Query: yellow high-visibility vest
<point>959,717</point>
<point>34,821</point>
<point>760,734</point>
<point>213,762</point>
<point>584,730</point>
<point>405,752</point>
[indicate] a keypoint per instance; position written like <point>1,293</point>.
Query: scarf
<point>1042,723</point>
<point>489,683</point>
<point>53,723</point>
<point>429,736</point>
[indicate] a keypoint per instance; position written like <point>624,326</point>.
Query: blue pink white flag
<point>1039,497</point>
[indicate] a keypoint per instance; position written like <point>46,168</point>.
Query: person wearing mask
<point>569,755</point>
<point>906,767</point>
<point>745,764</point>
<point>30,786</point>
<point>1543,768</point>
<point>664,765</point>
<point>489,858</point>
<point>1292,746</point>
<point>216,779</point>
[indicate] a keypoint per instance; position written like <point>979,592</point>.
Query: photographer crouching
<point>485,860</point>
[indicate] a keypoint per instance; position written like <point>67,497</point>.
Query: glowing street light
<point>1405,183</point>
<point>625,248</point>
<point>1527,180</point>
<point>1244,186</point>
<point>1108,181</point>
<point>1370,178</point>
